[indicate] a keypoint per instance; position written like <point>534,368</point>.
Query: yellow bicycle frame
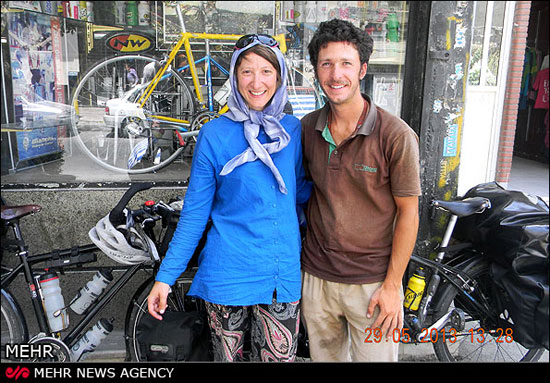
<point>185,41</point>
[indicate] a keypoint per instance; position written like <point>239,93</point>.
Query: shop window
<point>47,56</point>
<point>486,43</point>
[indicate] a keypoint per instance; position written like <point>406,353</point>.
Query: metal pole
<point>445,75</point>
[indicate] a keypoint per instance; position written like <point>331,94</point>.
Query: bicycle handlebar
<point>116,215</point>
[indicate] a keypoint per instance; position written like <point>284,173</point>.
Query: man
<point>132,77</point>
<point>363,212</point>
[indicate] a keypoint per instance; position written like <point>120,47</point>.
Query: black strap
<point>453,248</point>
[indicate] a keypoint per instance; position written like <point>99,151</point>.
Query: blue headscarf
<point>269,119</point>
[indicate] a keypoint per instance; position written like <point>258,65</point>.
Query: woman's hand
<point>156,301</point>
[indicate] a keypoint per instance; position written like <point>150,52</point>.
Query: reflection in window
<point>494,43</point>
<point>485,50</point>
<point>476,53</point>
<point>54,68</point>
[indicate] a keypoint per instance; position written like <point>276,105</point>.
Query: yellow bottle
<point>415,289</point>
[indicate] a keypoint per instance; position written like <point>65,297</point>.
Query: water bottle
<point>415,289</point>
<point>120,13</point>
<point>49,7</point>
<point>132,13</point>
<point>90,292</point>
<point>89,341</point>
<point>83,9</point>
<point>90,8</point>
<point>75,9</point>
<point>62,8</point>
<point>54,305</point>
<point>65,9</point>
<point>144,13</point>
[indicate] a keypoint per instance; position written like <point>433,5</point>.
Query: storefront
<point>504,123</point>
<point>48,49</point>
<point>80,122</point>
<point>531,140</point>
<point>47,56</point>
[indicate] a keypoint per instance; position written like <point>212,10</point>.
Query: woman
<point>247,177</point>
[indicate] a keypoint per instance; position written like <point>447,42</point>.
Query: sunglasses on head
<point>246,40</point>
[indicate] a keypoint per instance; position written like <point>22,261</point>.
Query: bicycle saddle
<point>465,207</point>
<point>15,212</point>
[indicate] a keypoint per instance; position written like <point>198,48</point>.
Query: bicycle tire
<point>13,326</point>
<point>109,138</point>
<point>179,290</point>
<point>303,95</point>
<point>139,308</point>
<point>468,346</point>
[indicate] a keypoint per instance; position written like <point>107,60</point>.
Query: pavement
<point>529,176</point>
<point>112,350</point>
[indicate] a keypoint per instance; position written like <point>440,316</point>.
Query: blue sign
<point>37,142</point>
<point>451,141</point>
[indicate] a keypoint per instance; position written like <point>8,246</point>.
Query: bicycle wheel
<point>112,127</point>
<point>177,301</point>
<point>483,339</point>
<point>13,328</point>
<point>303,95</point>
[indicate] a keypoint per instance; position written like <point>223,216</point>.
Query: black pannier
<point>514,235</point>
<point>179,336</point>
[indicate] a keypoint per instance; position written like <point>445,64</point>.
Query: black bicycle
<point>14,329</point>
<point>158,221</point>
<point>462,310</point>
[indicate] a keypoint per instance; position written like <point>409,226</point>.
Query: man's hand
<point>388,299</point>
<point>388,296</point>
<point>156,301</point>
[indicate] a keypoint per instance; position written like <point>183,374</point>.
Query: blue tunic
<point>253,246</point>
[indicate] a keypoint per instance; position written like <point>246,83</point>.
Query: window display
<point>82,105</point>
<point>38,99</point>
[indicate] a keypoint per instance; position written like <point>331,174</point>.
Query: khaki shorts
<point>335,316</point>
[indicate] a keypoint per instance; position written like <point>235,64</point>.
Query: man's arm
<point>388,296</point>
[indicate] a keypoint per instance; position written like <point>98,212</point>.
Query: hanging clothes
<point>547,136</point>
<point>541,87</point>
<point>530,68</point>
<point>545,66</point>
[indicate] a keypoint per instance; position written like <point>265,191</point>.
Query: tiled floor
<point>529,176</point>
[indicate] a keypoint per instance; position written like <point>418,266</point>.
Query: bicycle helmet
<point>123,244</point>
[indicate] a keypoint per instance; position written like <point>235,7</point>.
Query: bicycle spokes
<point>110,126</point>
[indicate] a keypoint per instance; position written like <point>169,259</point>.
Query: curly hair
<point>336,30</point>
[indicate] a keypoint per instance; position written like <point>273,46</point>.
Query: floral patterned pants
<point>273,331</point>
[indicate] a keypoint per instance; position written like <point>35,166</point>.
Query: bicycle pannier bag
<point>513,234</point>
<point>179,336</point>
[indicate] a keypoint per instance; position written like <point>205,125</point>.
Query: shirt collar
<point>365,128</point>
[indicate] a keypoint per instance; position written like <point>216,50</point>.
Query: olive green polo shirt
<point>351,211</point>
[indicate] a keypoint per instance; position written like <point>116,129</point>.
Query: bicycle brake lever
<point>166,206</point>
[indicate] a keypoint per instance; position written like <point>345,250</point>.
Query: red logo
<point>130,42</point>
<point>17,372</point>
